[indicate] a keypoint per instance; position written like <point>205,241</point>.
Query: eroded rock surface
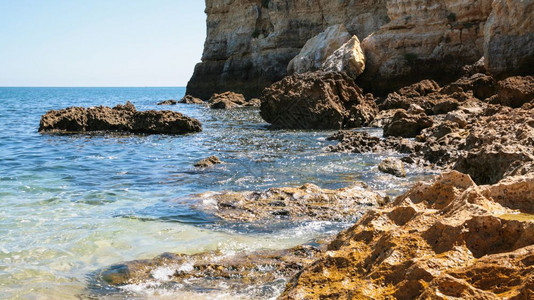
<point>251,274</point>
<point>308,202</point>
<point>122,118</point>
<point>168,102</point>
<point>316,100</point>
<point>208,162</point>
<point>445,239</point>
<point>188,99</point>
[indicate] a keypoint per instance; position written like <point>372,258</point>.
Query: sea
<point>73,204</point>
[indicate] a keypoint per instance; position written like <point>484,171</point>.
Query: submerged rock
<point>242,273</point>
<point>315,100</point>
<point>308,202</point>
<point>168,102</point>
<point>446,239</point>
<point>123,118</point>
<point>392,166</point>
<point>188,99</point>
<point>229,100</point>
<point>208,162</point>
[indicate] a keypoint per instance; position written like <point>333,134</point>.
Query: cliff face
<point>250,42</point>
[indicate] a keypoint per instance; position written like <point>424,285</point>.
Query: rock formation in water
<point>208,162</point>
<point>305,203</point>
<point>121,118</point>
<point>188,99</point>
<point>253,275</point>
<point>316,100</point>
<point>250,43</point>
<point>448,239</point>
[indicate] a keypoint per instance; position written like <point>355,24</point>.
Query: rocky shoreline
<point>449,82</point>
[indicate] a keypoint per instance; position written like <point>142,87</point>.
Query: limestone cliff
<point>250,42</point>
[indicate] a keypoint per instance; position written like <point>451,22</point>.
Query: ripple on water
<point>72,204</point>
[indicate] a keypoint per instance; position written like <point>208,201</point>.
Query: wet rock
<point>315,100</point>
<point>241,273</point>
<point>188,99</point>
<point>438,240</point>
<point>121,118</point>
<point>227,100</point>
<point>318,49</point>
<point>407,125</point>
<point>308,202</point>
<point>363,142</point>
<point>385,116</point>
<point>392,166</point>
<point>208,162</point>
<point>514,91</point>
<point>168,102</point>
<point>349,58</point>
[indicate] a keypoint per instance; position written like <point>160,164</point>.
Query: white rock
<point>349,58</point>
<point>318,49</point>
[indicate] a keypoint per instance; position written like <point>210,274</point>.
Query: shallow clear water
<point>71,204</point>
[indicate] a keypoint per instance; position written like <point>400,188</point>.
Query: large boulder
<point>349,59</point>
<point>316,100</point>
<point>226,100</point>
<point>123,118</point>
<point>514,91</point>
<point>509,38</point>
<point>407,125</point>
<point>318,49</point>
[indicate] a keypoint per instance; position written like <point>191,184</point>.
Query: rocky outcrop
<point>407,125</point>
<point>348,58</point>
<point>318,49</point>
<point>249,43</point>
<point>393,166</point>
<point>229,100</point>
<point>122,118</point>
<point>168,102</point>
<point>308,202</point>
<point>242,273</point>
<point>509,38</point>
<point>208,162</point>
<point>445,239</point>
<point>514,91</point>
<point>316,100</point>
<point>188,99</point>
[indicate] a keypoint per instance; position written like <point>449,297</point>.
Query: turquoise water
<point>72,204</point>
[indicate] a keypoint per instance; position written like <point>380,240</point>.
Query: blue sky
<point>100,42</point>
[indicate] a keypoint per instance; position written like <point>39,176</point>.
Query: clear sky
<point>100,42</point>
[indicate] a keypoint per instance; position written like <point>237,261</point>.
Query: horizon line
<point>103,86</point>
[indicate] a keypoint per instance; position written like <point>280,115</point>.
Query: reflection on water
<point>71,204</point>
